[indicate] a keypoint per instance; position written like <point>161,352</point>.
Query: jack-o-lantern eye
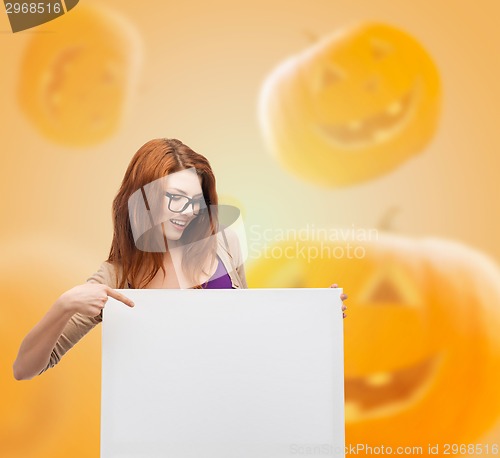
<point>380,48</point>
<point>332,74</point>
<point>324,77</point>
<point>384,292</point>
<point>373,83</point>
<point>391,287</point>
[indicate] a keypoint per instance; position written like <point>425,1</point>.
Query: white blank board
<point>244,373</point>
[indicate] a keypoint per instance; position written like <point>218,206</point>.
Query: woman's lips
<point>178,227</point>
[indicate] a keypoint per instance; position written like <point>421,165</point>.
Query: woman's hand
<point>343,297</point>
<point>90,298</point>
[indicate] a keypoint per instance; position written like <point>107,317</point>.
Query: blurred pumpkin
<point>422,340</point>
<point>75,79</point>
<point>352,107</point>
<point>48,416</point>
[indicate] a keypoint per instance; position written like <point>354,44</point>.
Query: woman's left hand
<point>343,297</point>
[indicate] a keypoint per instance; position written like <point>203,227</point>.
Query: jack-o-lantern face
<point>353,106</point>
<point>422,348</point>
<point>370,391</point>
<point>75,80</point>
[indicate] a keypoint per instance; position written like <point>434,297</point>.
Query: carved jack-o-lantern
<point>352,107</point>
<point>422,340</point>
<point>75,80</point>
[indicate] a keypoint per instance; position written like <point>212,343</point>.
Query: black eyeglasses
<point>177,203</point>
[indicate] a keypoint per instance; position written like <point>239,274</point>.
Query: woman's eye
<point>176,197</point>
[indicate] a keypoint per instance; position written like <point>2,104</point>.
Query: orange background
<point>202,67</point>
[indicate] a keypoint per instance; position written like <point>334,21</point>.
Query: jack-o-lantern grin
<point>384,392</point>
<point>375,393</point>
<point>53,83</point>
<point>361,132</point>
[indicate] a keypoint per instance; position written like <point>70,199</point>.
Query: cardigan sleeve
<point>79,325</point>
<point>240,266</point>
<point>241,273</point>
<point>235,247</point>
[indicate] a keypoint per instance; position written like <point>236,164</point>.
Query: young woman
<point>166,235</point>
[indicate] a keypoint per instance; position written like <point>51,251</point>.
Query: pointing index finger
<point>120,297</point>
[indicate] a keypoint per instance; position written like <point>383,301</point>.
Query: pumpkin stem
<point>312,37</point>
<point>386,221</point>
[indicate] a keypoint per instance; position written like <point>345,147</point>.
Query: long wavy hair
<point>154,160</point>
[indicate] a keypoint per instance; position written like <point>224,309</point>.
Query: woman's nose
<point>188,211</point>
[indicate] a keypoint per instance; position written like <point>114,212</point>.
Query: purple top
<point>221,279</point>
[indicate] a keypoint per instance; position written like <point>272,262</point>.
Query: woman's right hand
<point>90,298</point>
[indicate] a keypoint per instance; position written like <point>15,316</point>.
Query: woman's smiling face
<point>185,183</point>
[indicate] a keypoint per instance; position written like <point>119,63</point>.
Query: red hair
<point>154,160</point>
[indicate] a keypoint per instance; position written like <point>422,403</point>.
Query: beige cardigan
<point>228,249</point>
